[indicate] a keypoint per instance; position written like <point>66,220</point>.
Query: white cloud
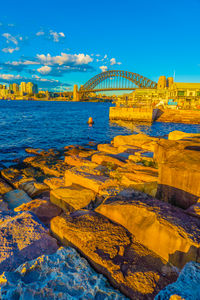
<point>44,70</point>
<point>56,35</point>
<point>114,62</point>
<point>41,32</point>
<point>105,56</point>
<point>10,38</point>
<point>9,76</point>
<point>62,34</point>
<point>64,58</point>
<point>98,55</point>
<point>22,63</point>
<point>10,50</point>
<point>103,68</point>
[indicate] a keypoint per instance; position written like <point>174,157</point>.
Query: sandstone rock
<point>132,268</point>
<point>85,179</point>
<point>67,276</point>
<point>22,238</point>
<point>4,187</point>
<point>33,188</point>
<point>43,209</point>
<point>161,227</point>
<point>72,198</point>
<point>186,287</point>
<point>138,177</point>
<point>107,148</point>
<point>75,160</point>
<point>179,135</point>
<point>138,140</point>
<point>179,174</point>
<point>129,149</point>
<point>107,160</point>
<point>16,198</point>
<point>54,182</point>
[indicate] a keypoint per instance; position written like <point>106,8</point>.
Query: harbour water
<point>42,124</point>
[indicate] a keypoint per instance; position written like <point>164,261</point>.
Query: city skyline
<point>90,38</point>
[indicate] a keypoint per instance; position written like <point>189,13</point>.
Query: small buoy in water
<point>90,121</point>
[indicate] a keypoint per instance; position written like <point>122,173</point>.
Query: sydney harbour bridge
<point>113,80</point>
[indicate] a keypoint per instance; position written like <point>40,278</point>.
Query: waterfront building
<point>23,88</point>
<point>15,88</point>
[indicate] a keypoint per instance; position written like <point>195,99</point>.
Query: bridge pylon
<point>76,95</point>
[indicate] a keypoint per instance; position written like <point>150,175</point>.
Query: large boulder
<point>187,286</point>
<point>67,276</point>
<point>72,198</point>
<point>16,198</point>
<point>54,182</point>
<point>108,160</point>
<point>112,250</point>
<point>179,172</point>
<point>22,238</point>
<point>161,227</point>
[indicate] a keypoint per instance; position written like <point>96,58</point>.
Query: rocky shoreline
<point>130,208</point>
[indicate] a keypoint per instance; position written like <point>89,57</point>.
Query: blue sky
<point>59,43</point>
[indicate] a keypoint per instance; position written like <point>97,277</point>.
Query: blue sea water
<point>42,124</point>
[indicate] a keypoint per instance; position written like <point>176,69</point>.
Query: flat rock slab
<point>43,209</point>
<point>60,276</point>
<point>108,148</point>
<point>161,227</point>
<point>107,160</point>
<point>137,140</point>
<point>16,198</point>
<point>111,250</point>
<point>72,198</point>
<point>85,179</point>
<point>22,238</point>
<point>187,286</point>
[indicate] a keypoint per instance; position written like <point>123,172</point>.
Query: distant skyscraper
<point>15,87</point>
<point>23,87</point>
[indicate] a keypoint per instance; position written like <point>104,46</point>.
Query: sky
<point>57,44</point>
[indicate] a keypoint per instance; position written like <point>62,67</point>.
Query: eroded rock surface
<point>161,227</point>
<point>60,276</point>
<point>22,238</point>
<point>16,198</point>
<point>112,250</point>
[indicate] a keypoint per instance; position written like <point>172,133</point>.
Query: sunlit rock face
<point>187,286</point>
<point>179,171</point>
<point>22,237</point>
<point>72,198</point>
<point>163,228</point>
<point>138,140</point>
<point>112,250</point>
<point>63,275</point>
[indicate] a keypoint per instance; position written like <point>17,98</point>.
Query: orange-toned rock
<point>54,182</point>
<point>107,148</point>
<point>72,198</point>
<point>85,179</point>
<point>33,188</point>
<point>111,250</point>
<point>4,187</point>
<point>161,227</point>
<point>103,159</point>
<point>138,177</point>
<point>137,140</point>
<point>179,135</point>
<point>43,209</point>
<point>22,237</point>
<point>75,160</point>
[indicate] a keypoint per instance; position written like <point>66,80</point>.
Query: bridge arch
<point>137,79</point>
